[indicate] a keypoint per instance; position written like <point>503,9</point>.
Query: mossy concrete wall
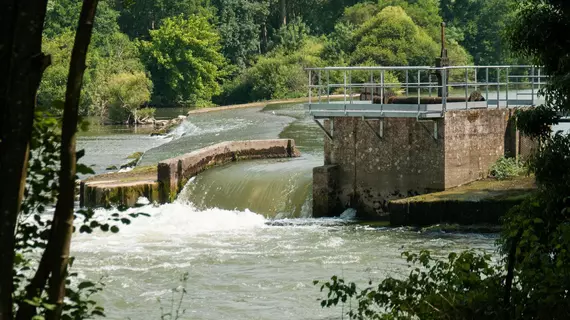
<point>162,183</point>
<point>381,160</point>
<point>174,173</point>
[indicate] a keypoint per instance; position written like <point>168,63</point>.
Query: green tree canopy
<point>184,59</point>
<point>391,38</point>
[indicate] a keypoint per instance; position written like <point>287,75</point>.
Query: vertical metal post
<point>310,89</point>
<point>444,90</point>
<point>498,87</point>
<point>476,86</point>
<point>372,86</point>
<point>507,88</point>
<point>466,87</point>
<point>350,85</point>
<point>539,80</point>
<point>320,86</point>
<point>382,89</point>
<point>429,82</point>
<point>328,87</point>
<point>419,90</point>
<point>407,81</point>
<point>487,86</point>
<point>344,89</point>
<point>532,85</point>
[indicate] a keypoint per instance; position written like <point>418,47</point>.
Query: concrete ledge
<point>162,182</point>
<point>479,202</point>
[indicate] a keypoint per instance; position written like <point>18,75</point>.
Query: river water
<point>242,232</point>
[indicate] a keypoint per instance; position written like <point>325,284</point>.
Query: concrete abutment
<point>372,161</point>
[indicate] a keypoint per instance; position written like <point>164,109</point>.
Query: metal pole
<point>429,84</point>
<point>371,86</point>
<point>407,77</point>
<point>310,89</point>
<point>498,87</point>
<point>532,85</point>
<point>507,87</point>
<point>487,86</point>
<point>466,87</point>
<point>344,88</point>
<point>444,90</point>
<point>320,86</point>
<point>381,91</point>
<point>419,91</point>
<point>328,87</point>
<point>350,85</point>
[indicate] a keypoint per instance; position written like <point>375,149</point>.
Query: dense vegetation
<point>532,276</point>
<point>201,53</point>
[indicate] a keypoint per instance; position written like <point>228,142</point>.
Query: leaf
<point>79,154</point>
<point>85,284</point>
<point>83,169</point>
<point>114,229</point>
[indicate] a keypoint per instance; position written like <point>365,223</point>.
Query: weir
<point>439,128</point>
<point>162,182</point>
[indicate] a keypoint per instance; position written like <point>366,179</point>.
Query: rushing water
<point>242,232</point>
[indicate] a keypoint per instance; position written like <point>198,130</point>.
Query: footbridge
<point>403,131</point>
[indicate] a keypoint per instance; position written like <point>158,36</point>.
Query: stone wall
<point>379,160</point>
<point>174,173</point>
<point>162,183</point>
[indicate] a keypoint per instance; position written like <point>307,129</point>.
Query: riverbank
<point>479,202</point>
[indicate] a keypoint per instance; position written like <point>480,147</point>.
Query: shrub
<point>506,167</point>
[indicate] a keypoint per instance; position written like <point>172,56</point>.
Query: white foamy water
<point>240,264</point>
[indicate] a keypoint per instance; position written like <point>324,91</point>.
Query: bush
<point>506,167</point>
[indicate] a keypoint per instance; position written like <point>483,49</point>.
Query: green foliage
<point>138,18</point>
<point>184,61</point>
<point>239,25</point>
<point>505,168</point>
<point>279,75</point>
<point>391,38</point>
<point>466,286</point>
<point>291,36</point>
<point>127,93</point>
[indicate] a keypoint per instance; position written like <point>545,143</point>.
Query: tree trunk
<point>22,64</point>
<point>283,12</point>
<point>63,216</point>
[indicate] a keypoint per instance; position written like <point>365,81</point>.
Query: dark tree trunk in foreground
<point>63,216</point>
<point>283,13</point>
<point>22,64</point>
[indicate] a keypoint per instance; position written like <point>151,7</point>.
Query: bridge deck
<point>499,86</point>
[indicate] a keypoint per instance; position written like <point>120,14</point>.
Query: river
<point>242,232</point>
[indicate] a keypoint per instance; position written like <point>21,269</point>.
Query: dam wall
<point>369,162</point>
<point>162,182</point>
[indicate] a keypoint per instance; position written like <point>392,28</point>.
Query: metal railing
<point>500,86</point>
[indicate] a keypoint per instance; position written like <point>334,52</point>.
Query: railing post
<point>381,91</point>
<point>310,89</point>
<point>371,86</point>
<point>419,90</point>
<point>487,86</point>
<point>344,92</point>
<point>466,87</point>
<point>328,87</point>
<point>350,86</point>
<point>507,87</point>
<point>498,87</point>
<point>407,81</point>
<point>320,86</point>
<point>532,85</point>
<point>444,89</point>
<point>429,82</point>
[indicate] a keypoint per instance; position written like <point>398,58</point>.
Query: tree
<point>23,63</point>
<point>128,91</point>
<point>239,25</point>
<point>184,61</point>
<point>391,38</point>
<point>138,17</point>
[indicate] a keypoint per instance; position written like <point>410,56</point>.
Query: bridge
<point>403,131</point>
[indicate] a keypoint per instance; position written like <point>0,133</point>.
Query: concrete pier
<point>370,162</point>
